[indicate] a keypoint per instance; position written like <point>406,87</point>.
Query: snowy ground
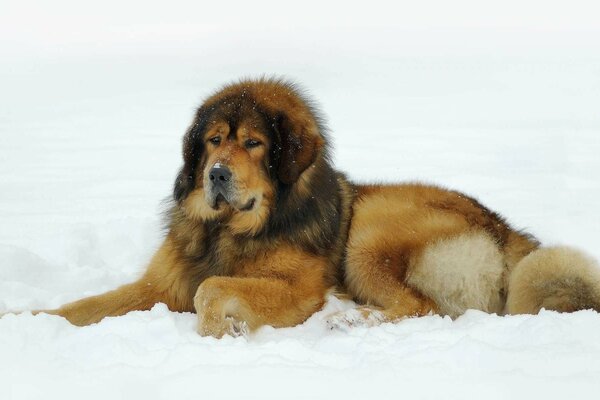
<point>501,103</point>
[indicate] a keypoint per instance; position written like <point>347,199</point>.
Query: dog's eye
<point>215,140</point>
<point>250,143</point>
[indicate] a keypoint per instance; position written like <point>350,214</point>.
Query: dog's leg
<point>280,288</point>
<point>164,281</point>
<point>389,301</point>
<point>134,296</point>
<point>376,266</point>
<point>235,306</point>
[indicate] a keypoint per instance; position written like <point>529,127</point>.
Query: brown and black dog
<point>262,227</point>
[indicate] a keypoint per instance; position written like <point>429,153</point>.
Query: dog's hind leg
<point>448,275</point>
<point>374,279</point>
<point>393,303</point>
<point>555,278</point>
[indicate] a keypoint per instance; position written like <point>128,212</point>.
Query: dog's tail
<point>554,278</point>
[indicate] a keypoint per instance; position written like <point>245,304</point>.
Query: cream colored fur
<point>555,278</point>
<point>461,273</point>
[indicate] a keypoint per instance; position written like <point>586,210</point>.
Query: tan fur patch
<point>460,273</point>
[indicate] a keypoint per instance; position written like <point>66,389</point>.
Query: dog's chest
<point>224,252</point>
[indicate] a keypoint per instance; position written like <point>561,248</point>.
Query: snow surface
<point>500,101</point>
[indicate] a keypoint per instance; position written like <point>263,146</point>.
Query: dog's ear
<point>298,145</point>
<point>192,151</point>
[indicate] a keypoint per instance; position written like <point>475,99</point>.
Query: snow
<point>499,102</point>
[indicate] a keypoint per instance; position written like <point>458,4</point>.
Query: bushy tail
<point>554,278</point>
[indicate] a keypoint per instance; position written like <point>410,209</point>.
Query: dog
<point>262,227</point>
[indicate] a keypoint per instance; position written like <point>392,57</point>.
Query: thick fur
<point>264,248</point>
<point>556,278</point>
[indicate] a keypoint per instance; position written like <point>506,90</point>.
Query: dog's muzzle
<point>222,189</point>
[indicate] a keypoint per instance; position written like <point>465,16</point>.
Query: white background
<point>500,100</point>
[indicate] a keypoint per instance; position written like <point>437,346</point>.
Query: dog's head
<point>247,142</point>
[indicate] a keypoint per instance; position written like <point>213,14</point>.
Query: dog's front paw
<point>355,317</point>
<point>219,327</point>
<point>219,313</point>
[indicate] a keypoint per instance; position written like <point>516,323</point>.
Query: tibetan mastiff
<point>262,227</point>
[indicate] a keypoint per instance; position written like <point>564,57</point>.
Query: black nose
<point>220,174</point>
